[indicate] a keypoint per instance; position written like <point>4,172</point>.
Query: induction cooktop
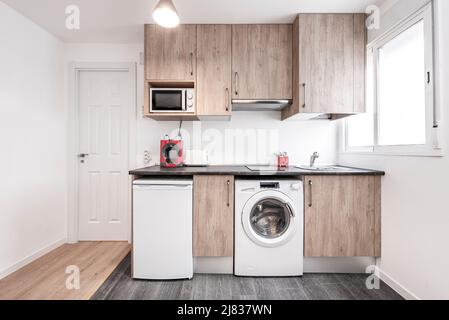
<point>264,168</point>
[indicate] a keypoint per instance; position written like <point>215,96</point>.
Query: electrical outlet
<point>147,158</point>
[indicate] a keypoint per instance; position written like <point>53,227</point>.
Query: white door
<point>103,210</point>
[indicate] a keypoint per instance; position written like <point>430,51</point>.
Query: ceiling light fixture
<point>165,14</point>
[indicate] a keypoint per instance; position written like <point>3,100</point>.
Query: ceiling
<point>121,20</point>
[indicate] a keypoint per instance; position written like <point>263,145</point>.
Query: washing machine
<point>269,219</point>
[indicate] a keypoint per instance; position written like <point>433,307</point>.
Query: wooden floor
<point>120,286</point>
<point>45,278</point>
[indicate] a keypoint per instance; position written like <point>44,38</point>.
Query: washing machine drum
<point>268,218</point>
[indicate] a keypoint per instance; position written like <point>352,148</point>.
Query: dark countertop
<point>244,171</point>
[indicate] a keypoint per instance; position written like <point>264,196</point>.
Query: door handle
<point>304,95</point>
<point>289,208</point>
<point>83,155</point>
<point>236,83</point>
<point>310,194</point>
<point>227,99</point>
<point>229,193</point>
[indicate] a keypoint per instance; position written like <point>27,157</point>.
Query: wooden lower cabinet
<point>213,219</point>
<point>342,216</point>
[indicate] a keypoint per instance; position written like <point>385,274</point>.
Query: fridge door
<point>162,230</point>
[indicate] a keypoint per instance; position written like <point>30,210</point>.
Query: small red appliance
<point>283,160</point>
<point>172,153</point>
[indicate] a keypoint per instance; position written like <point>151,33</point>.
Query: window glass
<point>401,85</point>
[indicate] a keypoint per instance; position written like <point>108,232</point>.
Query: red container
<point>172,154</point>
<point>283,161</point>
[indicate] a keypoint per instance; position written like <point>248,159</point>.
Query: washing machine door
<point>268,218</point>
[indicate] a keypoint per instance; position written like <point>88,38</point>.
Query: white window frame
<point>432,146</point>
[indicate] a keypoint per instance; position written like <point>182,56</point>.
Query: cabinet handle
<point>236,83</point>
<point>229,193</point>
<point>227,99</point>
<point>310,194</point>
<point>191,63</point>
<point>304,95</point>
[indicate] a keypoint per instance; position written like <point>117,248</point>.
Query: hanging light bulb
<point>165,15</point>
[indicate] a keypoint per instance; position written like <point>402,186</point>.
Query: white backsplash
<point>249,138</point>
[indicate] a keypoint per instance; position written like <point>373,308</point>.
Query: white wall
<point>32,140</point>
<point>300,139</point>
<point>415,210</point>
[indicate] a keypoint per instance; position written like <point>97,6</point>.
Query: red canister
<point>283,160</point>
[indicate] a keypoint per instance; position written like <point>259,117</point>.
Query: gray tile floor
<point>120,286</point>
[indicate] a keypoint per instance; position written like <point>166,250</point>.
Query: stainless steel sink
<point>323,168</point>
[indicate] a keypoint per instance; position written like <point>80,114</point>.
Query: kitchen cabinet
<point>262,62</point>
<point>328,65</point>
<point>342,216</point>
<point>214,70</point>
<point>170,54</point>
<point>213,219</point>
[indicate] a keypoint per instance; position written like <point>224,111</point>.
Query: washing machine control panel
<point>296,186</point>
<point>269,185</point>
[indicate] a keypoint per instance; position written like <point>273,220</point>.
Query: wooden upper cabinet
<point>359,63</point>
<point>170,54</point>
<point>328,64</point>
<point>214,70</point>
<point>213,219</point>
<point>262,61</point>
<point>342,216</point>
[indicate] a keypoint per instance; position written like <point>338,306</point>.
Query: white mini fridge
<point>162,229</point>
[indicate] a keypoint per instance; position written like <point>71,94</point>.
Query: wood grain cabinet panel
<point>342,216</point>
<point>262,61</point>
<point>170,54</point>
<point>214,70</point>
<point>328,64</point>
<point>213,220</point>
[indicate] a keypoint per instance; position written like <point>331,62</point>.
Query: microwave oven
<point>172,100</point>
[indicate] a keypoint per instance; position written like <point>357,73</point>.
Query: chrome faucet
<point>313,158</point>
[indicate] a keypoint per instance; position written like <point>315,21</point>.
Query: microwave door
<point>167,100</point>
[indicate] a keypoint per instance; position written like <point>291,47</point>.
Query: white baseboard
<point>396,286</point>
<point>21,263</point>
<point>338,265</point>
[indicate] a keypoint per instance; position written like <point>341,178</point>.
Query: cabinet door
<point>170,54</point>
<point>359,63</point>
<point>342,216</point>
<point>213,220</point>
<point>328,64</point>
<point>262,61</point>
<point>214,70</point>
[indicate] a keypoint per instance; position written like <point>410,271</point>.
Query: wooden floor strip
<point>45,278</point>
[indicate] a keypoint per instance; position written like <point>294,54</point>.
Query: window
<point>400,116</point>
